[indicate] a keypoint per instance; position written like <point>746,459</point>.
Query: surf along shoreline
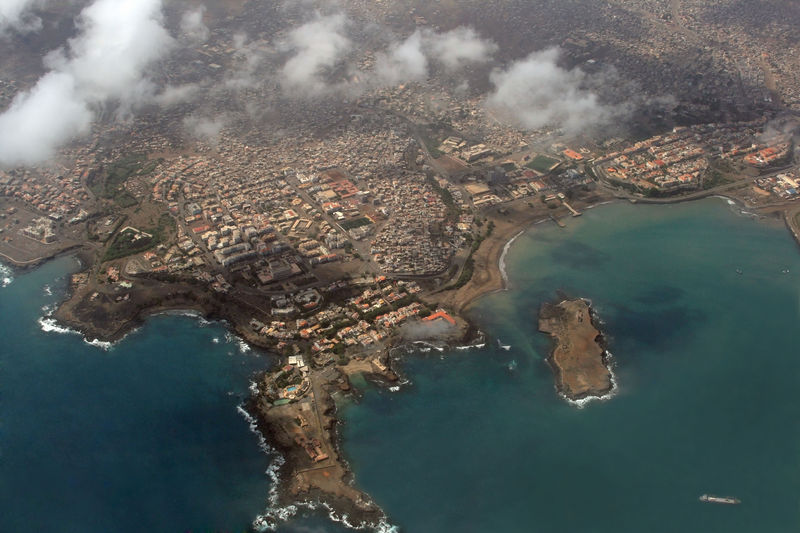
<point>349,505</point>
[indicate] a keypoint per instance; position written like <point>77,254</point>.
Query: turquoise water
<point>707,363</point>
<point>146,436</point>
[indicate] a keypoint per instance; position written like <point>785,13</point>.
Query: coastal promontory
<point>578,358</point>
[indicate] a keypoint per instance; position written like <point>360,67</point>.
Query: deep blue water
<point>143,437</point>
<point>146,436</point>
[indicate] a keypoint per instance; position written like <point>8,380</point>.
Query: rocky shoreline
<point>579,359</point>
<point>305,434</point>
<point>105,319</point>
<point>299,482</point>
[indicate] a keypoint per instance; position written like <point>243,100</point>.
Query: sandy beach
<point>509,220</point>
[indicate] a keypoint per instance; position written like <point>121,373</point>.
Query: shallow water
<point>708,372</point>
<point>146,436</point>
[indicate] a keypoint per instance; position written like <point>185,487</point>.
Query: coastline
<point>489,276</point>
<point>579,358</point>
<point>489,271</point>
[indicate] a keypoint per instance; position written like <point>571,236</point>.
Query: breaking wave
<point>49,325</point>
<point>5,275</point>
<point>240,343</point>
<point>275,514</point>
<point>598,205</point>
<point>583,402</point>
<point>471,346</point>
<point>502,261</point>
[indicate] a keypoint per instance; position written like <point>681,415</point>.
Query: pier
<point>572,210</point>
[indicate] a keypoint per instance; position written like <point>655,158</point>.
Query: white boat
<point>708,498</point>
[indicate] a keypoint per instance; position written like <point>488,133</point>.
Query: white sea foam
<point>505,347</point>
<point>394,389</point>
<point>49,325</point>
<point>5,275</point>
<point>190,313</point>
<point>427,346</point>
<point>471,346</point>
<point>502,261</point>
<point>215,340</point>
<point>103,345</point>
<point>583,402</point>
<point>274,515</point>
<point>244,348</point>
<point>598,205</point>
<point>47,290</point>
<point>730,201</point>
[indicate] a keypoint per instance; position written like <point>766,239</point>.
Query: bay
<point>708,369</point>
<point>701,316</point>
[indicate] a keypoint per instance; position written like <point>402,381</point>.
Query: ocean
<point>699,304</point>
<point>144,436</point>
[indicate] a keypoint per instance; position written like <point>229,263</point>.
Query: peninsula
<point>329,214</point>
<point>578,358</point>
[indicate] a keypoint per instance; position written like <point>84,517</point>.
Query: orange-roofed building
<point>572,154</point>
<point>440,314</point>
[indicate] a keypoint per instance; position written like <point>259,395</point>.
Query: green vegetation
<point>371,315</point>
<point>126,242</point>
<point>109,183</point>
<point>715,177</point>
<point>542,163</point>
<point>466,274</point>
<point>356,223</point>
<point>432,145</point>
<point>469,264</point>
<point>166,225</point>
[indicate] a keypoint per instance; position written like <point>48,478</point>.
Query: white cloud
<point>176,94</point>
<point>318,46</point>
<point>103,65</point>
<point>409,60</point>
<point>17,14</point>
<point>204,128</point>
<point>402,62</point>
<point>192,26</point>
<point>459,47</point>
<point>535,92</point>
<point>40,120</point>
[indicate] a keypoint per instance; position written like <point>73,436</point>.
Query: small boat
<point>739,271</point>
<point>708,498</point>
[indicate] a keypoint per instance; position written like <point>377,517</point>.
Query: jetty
<point>572,210</point>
